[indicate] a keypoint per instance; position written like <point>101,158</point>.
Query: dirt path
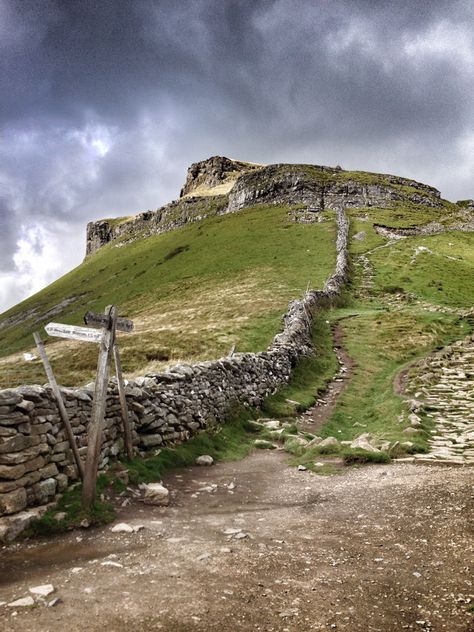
<point>356,551</point>
<point>315,417</point>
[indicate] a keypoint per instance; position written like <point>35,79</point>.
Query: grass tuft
<point>357,456</point>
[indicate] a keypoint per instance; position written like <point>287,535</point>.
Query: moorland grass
<point>193,293</point>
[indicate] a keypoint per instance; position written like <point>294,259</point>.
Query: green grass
<point>228,442</point>
<point>382,343</point>
<point>383,339</point>
<point>357,456</point>
<point>70,504</point>
<point>193,293</point>
<point>444,275</point>
<point>309,378</point>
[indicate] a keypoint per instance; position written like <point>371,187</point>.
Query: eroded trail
<point>282,550</point>
<point>313,419</point>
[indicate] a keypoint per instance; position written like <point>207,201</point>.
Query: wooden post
<point>127,433</point>
<point>62,409</point>
<point>98,408</point>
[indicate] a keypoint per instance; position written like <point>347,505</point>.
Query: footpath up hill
<point>215,268</point>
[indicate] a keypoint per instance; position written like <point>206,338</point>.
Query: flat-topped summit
<point>221,185</point>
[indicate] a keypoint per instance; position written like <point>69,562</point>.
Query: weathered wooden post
<point>108,322</point>
<point>59,400</point>
<point>127,433</point>
<point>121,324</point>
<point>98,408</point>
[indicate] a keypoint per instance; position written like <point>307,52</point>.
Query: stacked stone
<point>36,462</point>
<point>444,389</point>
<point>29,450</point>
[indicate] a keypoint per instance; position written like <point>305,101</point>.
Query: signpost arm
<point>98,408</point>
<point>127,433</point>
<point>62,409</point>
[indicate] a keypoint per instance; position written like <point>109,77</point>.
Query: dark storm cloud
<point>104,103</point>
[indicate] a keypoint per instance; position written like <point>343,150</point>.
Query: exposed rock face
<point>316,187</point>
<point>213,172</point>
<point>173,215</point>
<point>98,234</point>
<point>326,187</point>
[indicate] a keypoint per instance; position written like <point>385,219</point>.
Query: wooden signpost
<point>85,334</point>
<point>59,399</point>
<point>108,323</point>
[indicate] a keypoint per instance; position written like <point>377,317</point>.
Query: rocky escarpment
<point>314,187</point>
<point>327,187</point>
<point>213,172</point>
<point>36,461</point>
<point>173,215</point>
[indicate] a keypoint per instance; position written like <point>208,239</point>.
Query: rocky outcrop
<point>168,217</point>
<point>214,172</point>
<point>432,228</point>
<point>311,186</point>
<point>327,187</point>
<point>36,462</point>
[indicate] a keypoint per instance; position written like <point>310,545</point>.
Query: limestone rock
<point>24,602</point>
<point>270,424</point>
<point>329,441</point>
<point>122,527</point>
<point>363,443</point>
<point>263,444</point>
<point>42,591</point>
<point>13,501</point>
<point>151,440</point>
<point>204,459</point>
<point>156,494</point>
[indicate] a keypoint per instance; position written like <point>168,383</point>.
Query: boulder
<point>42,591</point>
<point>204,459</point>
<point>263,444</point>
<point>24,602</point>
<point>156,494</point>
<point>329,441</point>
<point>270,424</point>
<point>363,443</point>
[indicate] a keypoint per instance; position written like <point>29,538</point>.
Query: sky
<point>105,103</point>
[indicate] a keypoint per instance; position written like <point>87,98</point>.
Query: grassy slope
<point>192,292</point>
<point>383,336</point>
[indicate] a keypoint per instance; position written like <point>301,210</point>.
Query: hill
<point>218,266</point>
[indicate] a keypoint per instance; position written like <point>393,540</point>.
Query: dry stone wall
<point>36,462</point>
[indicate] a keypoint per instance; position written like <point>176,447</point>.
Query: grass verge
<point>309,378</point>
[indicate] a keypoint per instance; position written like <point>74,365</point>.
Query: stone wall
<point>36,462</point>
<point>432,228</point>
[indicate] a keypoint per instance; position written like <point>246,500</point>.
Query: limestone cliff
<point>217,171</point>
<point>221,185</point>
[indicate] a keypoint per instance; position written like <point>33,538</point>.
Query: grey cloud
<point>369,84</point>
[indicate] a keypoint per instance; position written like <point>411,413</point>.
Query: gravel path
<point>257,545</point>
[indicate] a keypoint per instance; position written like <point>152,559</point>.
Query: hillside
<point>216,268</point>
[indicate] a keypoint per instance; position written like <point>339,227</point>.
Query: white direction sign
<point>86,334</point>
